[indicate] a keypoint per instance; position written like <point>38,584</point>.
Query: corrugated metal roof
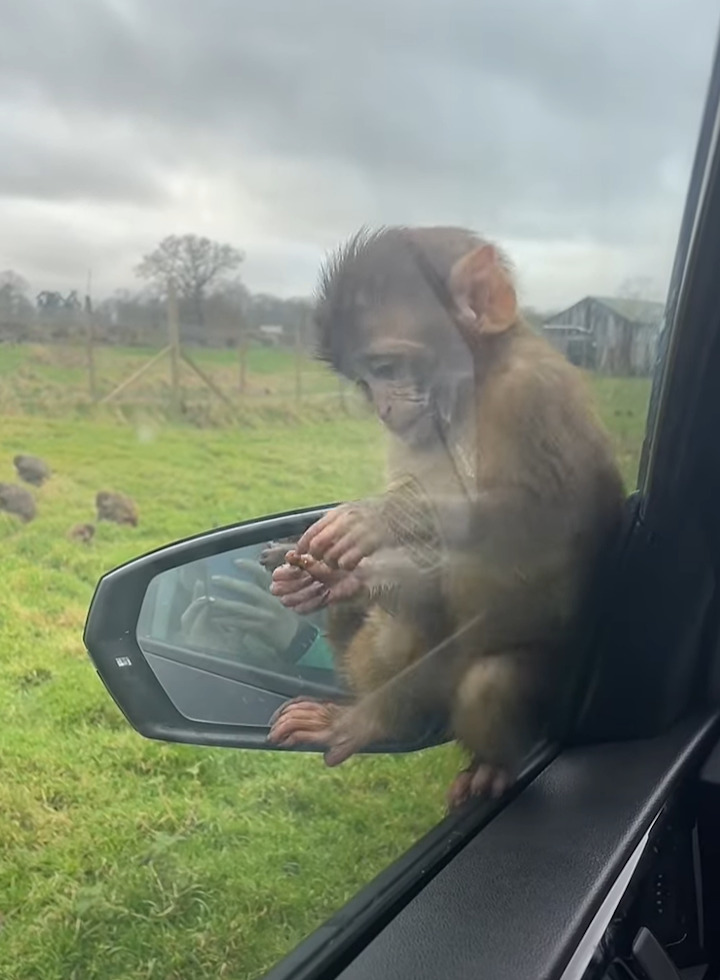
<point>637,310</point>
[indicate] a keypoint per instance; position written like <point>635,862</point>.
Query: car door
<point>132,842</point>
<point>528,886</point>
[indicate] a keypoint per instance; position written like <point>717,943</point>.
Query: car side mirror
<point>193,647</point>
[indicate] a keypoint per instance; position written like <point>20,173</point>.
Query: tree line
<point>215,307</point>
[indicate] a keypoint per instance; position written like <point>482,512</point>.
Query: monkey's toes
<point>489,781</point>
<point>300,722</point>
<point>459,790</point>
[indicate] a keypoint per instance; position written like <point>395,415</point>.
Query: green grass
<point>125,859</point>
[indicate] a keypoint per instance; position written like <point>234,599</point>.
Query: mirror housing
<point>175,690</point>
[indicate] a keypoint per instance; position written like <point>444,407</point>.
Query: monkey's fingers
<point>300,728</point>
<point>459,790</point>
<point>302,722</point>
<point>310,603</point>
<point>350,550</point>
<point>286,573</point>
<point>289,586</point>
<point>320,571</point>
<point>325,521</point>
<point>300,699</point>
<point>344,522</point>
<point>311,569</point>
<point>352,558</point>
<point>298,593</point>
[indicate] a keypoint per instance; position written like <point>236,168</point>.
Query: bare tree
<point>14,302</point>
<point>195,264</point>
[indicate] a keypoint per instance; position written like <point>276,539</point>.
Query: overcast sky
<point>564,129</point>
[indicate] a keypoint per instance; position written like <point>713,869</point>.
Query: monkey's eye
<point>385,370</point>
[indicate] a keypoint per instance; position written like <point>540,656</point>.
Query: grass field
<point>124,859</point>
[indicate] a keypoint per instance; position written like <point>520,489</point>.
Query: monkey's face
<point>414,384</point>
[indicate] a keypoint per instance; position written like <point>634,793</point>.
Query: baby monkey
<point>452,594</point>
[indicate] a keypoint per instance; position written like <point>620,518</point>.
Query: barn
<point>608,334</point>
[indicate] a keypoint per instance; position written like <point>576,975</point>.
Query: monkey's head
<point>401,311</point>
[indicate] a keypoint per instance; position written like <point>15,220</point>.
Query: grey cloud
<point>537,120</point>
<point>40,163</point>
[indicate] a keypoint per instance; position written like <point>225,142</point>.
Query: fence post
<point>341,394</point>
<point>90,349</point>
<point>298,362</point>
<point>174,345</point>
<point>242,359</point>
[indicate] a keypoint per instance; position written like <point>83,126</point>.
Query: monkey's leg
<point>495,716</point>
<point>379,651</point>
<point>307,721</point>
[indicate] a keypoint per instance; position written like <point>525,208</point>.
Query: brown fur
<point>486,643</point>
<point>18,501</point>
<point>83,533</point>
<point>116,507</point>
<point>31,469</point>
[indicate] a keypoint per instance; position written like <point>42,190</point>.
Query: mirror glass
<point>218,612</point>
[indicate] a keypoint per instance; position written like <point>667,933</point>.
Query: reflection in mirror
<point>222,606</point>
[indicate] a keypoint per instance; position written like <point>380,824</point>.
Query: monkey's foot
<point>480,781</point>
<point>321,723</point>
<point>303,722</point>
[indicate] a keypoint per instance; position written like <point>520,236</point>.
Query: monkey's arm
<point>498,525</point>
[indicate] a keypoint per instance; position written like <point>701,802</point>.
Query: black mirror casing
<point>138,679</point>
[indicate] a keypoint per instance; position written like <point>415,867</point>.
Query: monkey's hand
<point>403,518</point>
<point>343,731</point>
<point>345,535</point>
<point>311,584</point>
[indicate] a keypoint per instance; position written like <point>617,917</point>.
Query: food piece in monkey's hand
<point>305,584</point>
<point>300,561</point>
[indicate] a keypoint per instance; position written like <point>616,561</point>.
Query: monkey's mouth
<point>416,430</point>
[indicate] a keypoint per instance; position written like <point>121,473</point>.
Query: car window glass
<point>174,176</point>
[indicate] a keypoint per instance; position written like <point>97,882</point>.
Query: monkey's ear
<point>483,292</point>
